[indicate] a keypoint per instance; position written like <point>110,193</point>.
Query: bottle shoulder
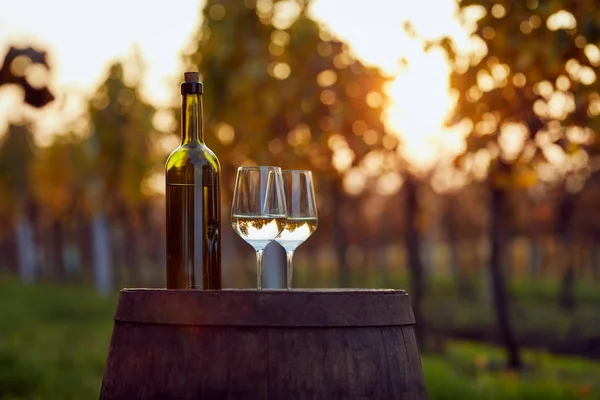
<point>196,155</point>
<point>188,162</point>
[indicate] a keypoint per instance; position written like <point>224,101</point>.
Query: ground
<point>54,340</point>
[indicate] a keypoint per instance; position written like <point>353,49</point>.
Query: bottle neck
<point>192,129</point>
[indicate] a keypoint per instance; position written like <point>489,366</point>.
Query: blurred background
<point>454,146</point>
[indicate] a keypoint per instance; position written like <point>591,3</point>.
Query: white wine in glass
<point>302,217</point>
<point>296,231</point>
<point>257,231</point>
<point>258,212</point>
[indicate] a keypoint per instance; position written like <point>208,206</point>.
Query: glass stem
<point>290,270</point>
<point>259,258</point>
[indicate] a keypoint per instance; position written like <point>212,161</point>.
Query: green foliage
<point>59,176</point>
<point>528,92</point>
<point>534,67</point>
<point>284,95</point>
<point>76,174</point>
<point>119,147</point>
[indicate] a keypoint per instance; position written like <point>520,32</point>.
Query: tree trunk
<point>8,251</point>
<point>595,257</point>
<point>8,260</point>
<point>313,273</point>
<point>368,241</point>
<point>535,259</point>
<point>118,251</point>
<point>245,263</point>
<point>274,267</point>
<point>484,247</point>
<point>454,263</point>
<point>464,289</point>
<point>73,260</point>
<point>154,243</point>
<point>85,244</point>
<point>135,265</point>
<point>429,240</point>
<point>413,247</point>
<point>383,263</point>
<point>427,251</point>
<point>103,274</point>
<point>567,283</point>
<point>58,259</point>
<point>507,258</point>
<point>26,251</point>
<point>339,232</point>
<point>566,297</point>
<point>498,286</point>
<point>229,255</point>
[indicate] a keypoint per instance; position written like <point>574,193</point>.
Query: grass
<point>54,340</point>
<point>474,371</point>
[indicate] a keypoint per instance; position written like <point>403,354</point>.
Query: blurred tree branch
<point>14,70</point>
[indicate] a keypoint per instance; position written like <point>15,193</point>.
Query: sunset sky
<point>83,37</point>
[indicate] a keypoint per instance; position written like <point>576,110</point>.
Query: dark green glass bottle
<point>193,201</point>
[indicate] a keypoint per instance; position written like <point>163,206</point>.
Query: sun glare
<point>420,102</point>
<point>420,98</point>
<point>419,93</point>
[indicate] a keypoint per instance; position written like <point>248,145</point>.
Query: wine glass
<point>301,219</point>
<point>259,211</point>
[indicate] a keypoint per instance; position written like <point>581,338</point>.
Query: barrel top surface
<point>266,308</point>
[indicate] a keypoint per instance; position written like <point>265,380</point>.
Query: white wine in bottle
<point>193,201</point>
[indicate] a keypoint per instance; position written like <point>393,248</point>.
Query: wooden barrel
<point>271,344</point>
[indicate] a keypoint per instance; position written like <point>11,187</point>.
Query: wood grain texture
<point>312,308</point>
<point>321,356</point>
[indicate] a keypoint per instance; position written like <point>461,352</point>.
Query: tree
<point>287,95</point>
<point>28,69</point>
<point>530,82</point>
<point>120,159</point>
<point>16,158</point>
<point>58,180</point>
<point>413,246</point>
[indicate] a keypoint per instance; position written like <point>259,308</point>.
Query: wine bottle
<point>193,201</point>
